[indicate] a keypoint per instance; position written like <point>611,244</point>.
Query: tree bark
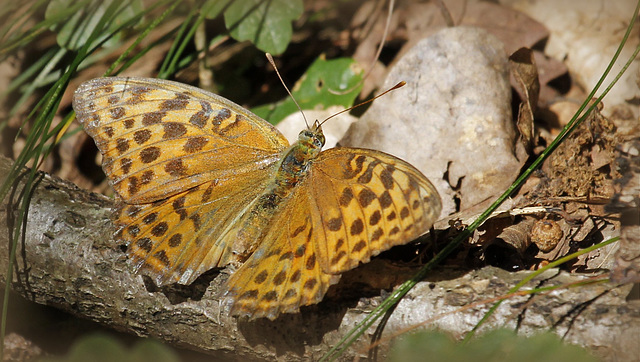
<point>68,259</point>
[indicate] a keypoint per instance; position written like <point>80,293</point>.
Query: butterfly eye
<point>319,140</point>
<point>305,136</point>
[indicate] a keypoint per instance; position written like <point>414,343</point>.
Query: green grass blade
<point>13,7</point>
<point>164,68</point>
<point>36,83</point>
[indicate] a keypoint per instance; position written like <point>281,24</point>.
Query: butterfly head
<point>312,138</point>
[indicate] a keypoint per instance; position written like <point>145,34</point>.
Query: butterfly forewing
<point>159,138</point>
<point>364,202</point>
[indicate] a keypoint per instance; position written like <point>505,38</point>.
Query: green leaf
<point>497,345</point>
<point>149,350</point>
<point>319,88</point>
<point>105,348</point>
<point>74,32</point>
<point>266,23</point>
<point>97,348</point>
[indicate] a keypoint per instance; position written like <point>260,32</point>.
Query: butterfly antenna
<point>273,64</point>
<point>401,84</point>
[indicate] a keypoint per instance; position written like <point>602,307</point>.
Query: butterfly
<point>203,183</point>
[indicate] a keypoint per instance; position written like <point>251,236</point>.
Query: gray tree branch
<point>68,259</point>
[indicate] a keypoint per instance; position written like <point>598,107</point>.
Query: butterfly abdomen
<point>256,219</point>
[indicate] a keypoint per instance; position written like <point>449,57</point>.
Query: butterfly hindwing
<point>179,238</point>
<point>283,274</point>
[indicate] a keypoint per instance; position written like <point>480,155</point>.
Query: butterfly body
<point>203,183</point>
<point>295,163</point>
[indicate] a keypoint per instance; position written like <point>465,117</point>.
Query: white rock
<point>453,118</point>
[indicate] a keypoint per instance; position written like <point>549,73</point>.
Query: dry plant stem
<point>67,260</point>
<point>445,13</point>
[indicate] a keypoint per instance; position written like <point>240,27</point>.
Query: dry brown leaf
<point>525,79</point>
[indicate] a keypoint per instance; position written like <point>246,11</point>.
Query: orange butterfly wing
<point>353,204</point>
<point>375,201</point>
<point>185,162</point>
<point>159,138</point>
<point>283,274</point>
